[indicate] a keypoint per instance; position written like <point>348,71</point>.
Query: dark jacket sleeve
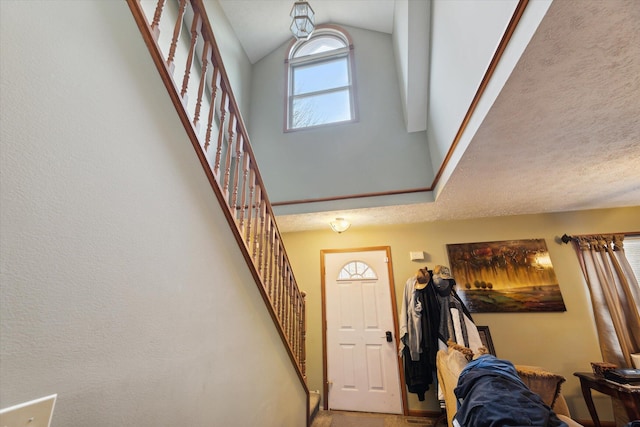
<point>491,395</point>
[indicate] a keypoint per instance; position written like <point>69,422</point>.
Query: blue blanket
<point>491,394</point>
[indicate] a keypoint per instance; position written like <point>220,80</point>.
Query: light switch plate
<point>35,413</point>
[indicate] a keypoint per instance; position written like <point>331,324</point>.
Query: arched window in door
<point>357,270</point>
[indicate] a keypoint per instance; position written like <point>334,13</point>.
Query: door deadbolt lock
<point>389,337</point>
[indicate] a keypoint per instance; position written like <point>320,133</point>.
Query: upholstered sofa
<point>451,362</point>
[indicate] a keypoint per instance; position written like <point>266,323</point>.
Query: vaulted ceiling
<point>563,134</point>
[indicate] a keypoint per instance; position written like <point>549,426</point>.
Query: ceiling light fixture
<point>303,20</point>
<point>340,225</point>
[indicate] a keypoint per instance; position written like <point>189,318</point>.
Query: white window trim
<point>290,62</point>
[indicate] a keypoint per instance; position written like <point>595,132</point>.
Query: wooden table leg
<point>632,405</point>
<point>586,393</point>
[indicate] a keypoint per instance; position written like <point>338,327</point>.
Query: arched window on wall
<point>320,83</point>
<point>357,270</point>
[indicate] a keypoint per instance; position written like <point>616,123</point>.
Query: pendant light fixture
<point>303,20</point>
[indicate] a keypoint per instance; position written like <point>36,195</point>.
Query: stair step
<point>314,404</point>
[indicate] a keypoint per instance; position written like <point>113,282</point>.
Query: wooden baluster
<point>283,298</point>
<point>215,82</point>
<point>236,173</point>
<point>244,204</point>
<point>274,260</point>
<point>155,24</point>
<point>224,104</point>
<point>196,25</point>
<point>274,257</point>
<point>206,57</point>
<point>298,315</point>
<point>290,307</point>
<point>294,325</point>
<point>250,204</point>
<point>280,277</point>
<point>259,238</point>
<point>267,257</point>
<point>283,285</point>
<point>227,158</point>
<point>283,290</point>
<point>176,36</point>
<point>265,231</point>
<point>287,298</point>
<point>294,310</point>
<point>303,328</point>
<point>284,320</point>
<point>262,240</point>
<point>285,307</point>
<point>299,326</point>
<point>276,276</point>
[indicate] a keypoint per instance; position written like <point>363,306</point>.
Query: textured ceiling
<point>563,135</point>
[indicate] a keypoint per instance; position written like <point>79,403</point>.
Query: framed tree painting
<point>505,276</point>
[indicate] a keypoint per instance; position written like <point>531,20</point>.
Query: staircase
<point>181,42</point>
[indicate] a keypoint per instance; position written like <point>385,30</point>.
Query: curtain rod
<point>567,238</point>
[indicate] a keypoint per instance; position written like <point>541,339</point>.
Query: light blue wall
<point>122,287</point>
<point>235,59</point>
<point>375,154</point>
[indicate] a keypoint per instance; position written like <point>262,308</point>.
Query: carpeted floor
<point>359,419</point>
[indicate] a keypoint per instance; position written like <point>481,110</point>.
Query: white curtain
<point>615,295</point>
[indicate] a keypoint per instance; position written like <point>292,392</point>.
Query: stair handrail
<point>230,166</point>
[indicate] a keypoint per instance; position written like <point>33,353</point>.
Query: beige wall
<point>561,342</point>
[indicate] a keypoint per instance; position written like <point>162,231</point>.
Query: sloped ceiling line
<point>495,60</point>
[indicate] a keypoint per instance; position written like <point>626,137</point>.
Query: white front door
<point>362,365</point>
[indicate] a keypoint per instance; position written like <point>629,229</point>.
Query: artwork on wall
<point>505,276</point>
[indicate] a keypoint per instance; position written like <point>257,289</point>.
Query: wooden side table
<point>630,397</point>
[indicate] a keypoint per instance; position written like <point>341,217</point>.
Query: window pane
<point>632,251</point>
<point>356,270</point>
<point>320,76</point>
<point>321,109</point>
<point>319,45</point>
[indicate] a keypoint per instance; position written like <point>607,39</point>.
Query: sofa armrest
<point>569,421</point>
<point>449,364</point>
<point>546,384</point>
<point>560,407</point>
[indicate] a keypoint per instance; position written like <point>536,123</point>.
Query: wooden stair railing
<point>191,68</point>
